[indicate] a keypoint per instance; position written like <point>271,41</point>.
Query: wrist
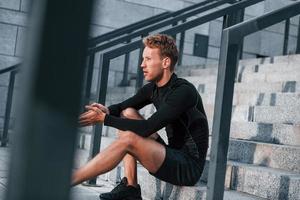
<point>103,117</point>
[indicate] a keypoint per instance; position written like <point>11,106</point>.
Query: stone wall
<point>13,20</point>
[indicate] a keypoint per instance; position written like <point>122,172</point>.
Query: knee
<point>128,138</point>
<point>129,113</point>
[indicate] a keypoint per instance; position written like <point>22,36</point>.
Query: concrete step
<point>293,58</point>
<point>258,68</point>
<point>260,87</point>
<point>288,68</point>
<point>271,77</point>
<point>289,59</point>
<point>256,61</point>
<point>258,99</point>
<point>263,154</point>
<point>288,114</point>
<point>264,182</point>
<point>204,76</point>
<point>277,114</point>
<point>265,132</point>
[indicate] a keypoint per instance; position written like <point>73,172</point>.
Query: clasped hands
<point>95,114</point>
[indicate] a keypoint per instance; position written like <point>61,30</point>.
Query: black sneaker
<point>123,192</point>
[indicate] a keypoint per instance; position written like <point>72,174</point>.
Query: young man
<point>179,109</point>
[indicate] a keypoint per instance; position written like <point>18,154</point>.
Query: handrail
<point>126,29</point>
<point>154,27</point>
<point>13,70</point>
<point>146,22</point>
<point>9,69</point>
<point>177,29</point>
<point>182,27</point>
<point>264,21</point>
<point>228,63</point>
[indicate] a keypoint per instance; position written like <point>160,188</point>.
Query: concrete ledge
<point>262,114</point>
<point>269,155</point>
<point>266,132</point>
<point>277,114</point>
<point>264,182</point>
<point>258,99</point>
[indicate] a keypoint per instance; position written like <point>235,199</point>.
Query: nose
<point>143,64</point>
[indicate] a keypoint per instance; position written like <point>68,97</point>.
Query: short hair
<point>166,44</point>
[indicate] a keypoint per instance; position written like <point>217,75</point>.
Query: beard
<point>156,78</point>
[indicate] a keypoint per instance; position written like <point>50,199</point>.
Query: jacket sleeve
<point>178,101</point>
<point>138,101</point>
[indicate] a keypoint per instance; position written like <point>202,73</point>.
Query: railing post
<point>298,39</point>
<point>174,35</point>
<point>286,37</point>
<point>181,45</point>
<point>125,81</point>
<point>9,99</point>
<point>222,116</point>
<point>89,79</point>
<point>232,19</point>
<point>139,73</point>
<point>101,94</point>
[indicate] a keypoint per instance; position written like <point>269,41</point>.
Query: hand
<point>92,116</point>
<point>101,107</point>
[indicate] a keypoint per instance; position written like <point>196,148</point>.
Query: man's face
<point>152,64</point>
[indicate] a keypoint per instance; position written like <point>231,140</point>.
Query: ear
<point>166,62</point>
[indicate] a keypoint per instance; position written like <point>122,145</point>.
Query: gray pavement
<point>79,192</point>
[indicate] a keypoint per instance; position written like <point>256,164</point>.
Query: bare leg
<point>130,165</point>
<point>150,154</point>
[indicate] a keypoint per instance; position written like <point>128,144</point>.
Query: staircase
<point>264,150</point>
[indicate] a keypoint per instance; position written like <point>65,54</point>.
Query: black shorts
<point>179,168</point>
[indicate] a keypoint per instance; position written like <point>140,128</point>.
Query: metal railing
<point>143,23</point>
<point>13,70</point>
<point>140,30</point>
<point>228,63</point>
<point>173,21</point>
